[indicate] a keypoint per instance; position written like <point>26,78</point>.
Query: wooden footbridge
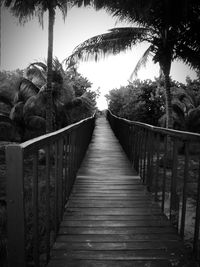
<point>110,217</point>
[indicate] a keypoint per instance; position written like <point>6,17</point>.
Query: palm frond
<point>37,69</point>
<point>80,3</point>
<point>63,6</point>
<point>141,63</point>
<point>39,64</point>
<point>57,66</point>
<point>188,55</point>
<point>70,63</point>
<point>26,10</point>
<point>113,42</point>
<point>40,69</point>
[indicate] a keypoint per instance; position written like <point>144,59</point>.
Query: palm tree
<point>158,24</point>
<point>25,10</point>
<point>23,100</point>
<point>65,84</point>
<point>186,106</point>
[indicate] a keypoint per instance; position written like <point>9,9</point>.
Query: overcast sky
<point>21,45</point>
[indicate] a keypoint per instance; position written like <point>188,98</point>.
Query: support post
<point>15,206</point>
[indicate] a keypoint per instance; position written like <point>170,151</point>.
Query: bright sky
<point>21,45</point>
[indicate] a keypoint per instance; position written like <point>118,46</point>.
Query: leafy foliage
<point>170,35</point>
<point>141,101</point>
<point>186,106</point>
<point>26,10</point>
<point>113,42</point>
<point>23,101</point>
<point>145,102</point>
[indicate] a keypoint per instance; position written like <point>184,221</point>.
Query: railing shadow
<point>168,163</point>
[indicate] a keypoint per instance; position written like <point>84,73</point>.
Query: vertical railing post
<point>144,174</point>
<point>56,202</point>
<point>184,197</point>
<point>47,204</point>
<point>137,148</point>
<point>66,184</point>
<point>35,210</point>
<point>157,139</point>
<point>197,220</point>
<point>15,206</point>
<point>162,144</point>
<point>174,202</point>
<point>164,172</point>
<point>149,160</point>
<point>60,179</point>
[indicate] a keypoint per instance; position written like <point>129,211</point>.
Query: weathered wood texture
<point>110,219</point>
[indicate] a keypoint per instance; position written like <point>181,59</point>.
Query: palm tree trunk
<point>168,99</point>
<point>165,67</point>
<point>49,100</point>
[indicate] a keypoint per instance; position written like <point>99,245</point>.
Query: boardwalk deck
<point>110,219</point>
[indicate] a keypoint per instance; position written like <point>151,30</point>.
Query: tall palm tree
<point>158,24</point>
<point>25,10</point>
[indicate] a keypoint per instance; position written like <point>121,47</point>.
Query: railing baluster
<point>184,197</point>
<point>47,219</point>
<point>35,210</point>
<point>145,158</point>
<point>64,149</point>
<point>164,173</point>
<point>138,149</point>
<point>149,160</point>
<point>174,201</point>
<point>140,152</point>
<point>134,146</point>
<point>197,220</point>
<point>73,157</point>
<point>66,169</point>
<point>56,220</point>
<point>131,144</point>
<point>70,161</point>
<point>143,150</point>
<point>157,139</point>
<point>60,179</point>
<point>15,206</point>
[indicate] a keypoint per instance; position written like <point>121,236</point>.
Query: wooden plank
<point>114,211</point>
<point>111,205</point>
<point>128,187</point>
<point>117,237</point>
<point>110,218</point>
<point>117,255</point>
<point>113,197</point>
<point>114,223</point>
<point>110,263</point>
<point>144,217</point>
<point>115,230</point>
<point>107,195</point>
<point>105,246</point>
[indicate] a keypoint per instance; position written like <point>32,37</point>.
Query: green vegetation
<point>170,36</point>
<point>23,100</point>
<point>144,101</point>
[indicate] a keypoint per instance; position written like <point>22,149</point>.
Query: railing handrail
<point>184,135</point>
<point>37,141</point>
<point>66,147</point>
<point>152,150</point>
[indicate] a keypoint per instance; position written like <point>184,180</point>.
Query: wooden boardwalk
<point>110,219</point>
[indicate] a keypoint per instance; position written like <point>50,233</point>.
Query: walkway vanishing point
<point>111,219</point>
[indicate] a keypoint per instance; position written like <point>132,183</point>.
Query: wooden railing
<point>40,175</point>
<point>168,162</point>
